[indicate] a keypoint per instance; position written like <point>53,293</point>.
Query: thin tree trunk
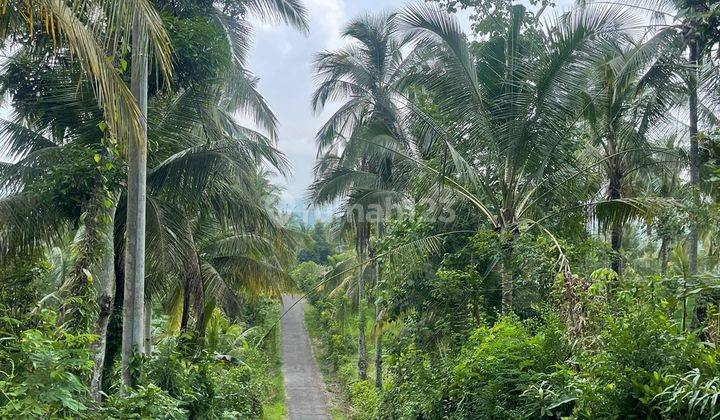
<point>105,300</point>
<point>363,238</point>
<point>362,346</point>
<point>616,243</point>
<point>506,275</point>
<point>134,294</point>
<point>684,308</point>
<point>616,230</point>
<point>193,289</point>
<point>185,317</point>
<point>695,50</point>
<point>147,347</point>
<point>378,360</point>
<point>378,338</point>
<point>663,254</point>
<point>113,345</point>
<point>201,321</point>
<point>700,310</point>
<point>506,286</point>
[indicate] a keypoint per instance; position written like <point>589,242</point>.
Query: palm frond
<point>292,12</point>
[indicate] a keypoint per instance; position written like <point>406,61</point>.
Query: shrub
<point>636,349</point>
<point>206,386</point>
<point>364,399</point>
<point>45,372</point>
<point>144,402</point>
<point>498,364</point>
<point>417,386</point>
<point>237,393</point>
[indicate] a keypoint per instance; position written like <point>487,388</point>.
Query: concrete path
<point>304,387</point>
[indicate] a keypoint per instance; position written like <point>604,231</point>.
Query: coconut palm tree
<point>627,99</point>
<point>223,268</point>
<point>688,35</point>
<point>666,182</point>
<point>366,75</point>
<point>504,114</point>
<point>134,301</point>
<point>205,180</point>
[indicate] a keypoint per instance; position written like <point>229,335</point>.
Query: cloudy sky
<point>281,57</point>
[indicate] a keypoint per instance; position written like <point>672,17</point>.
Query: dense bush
<point>44,372</point>
<point>634,362</point>
<point>499,363</point>
<point>418,386</point>
<point>144,402</point>
<point>638,348</point>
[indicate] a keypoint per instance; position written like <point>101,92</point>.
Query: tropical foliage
<point>214,250</point>
<point>534,227</point>
<point>527,212</point>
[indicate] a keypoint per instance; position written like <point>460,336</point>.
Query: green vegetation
<point>521,234</point>
<point>527,222</point>
<point>45,372</point>
<point>141,268</point>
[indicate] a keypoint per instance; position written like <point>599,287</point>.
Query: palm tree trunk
<point>134,294</point>
<point>506,275</point>
<point>616,243</point>
<point>113,344</point>
<point>378,338</point>
<point>147,345</point>
<point>363,237</point>
<point>378,360</point>
<point>105,300</point>
<point>663,254</point>
<point>616,229</point>
<point>694,151</point>
<point>506,286</point>
<point>185,318</point>
<point>700,309</point>
<point>201,321</point>
<point>362,346</point>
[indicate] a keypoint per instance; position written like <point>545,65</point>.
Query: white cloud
<point>326,20</point>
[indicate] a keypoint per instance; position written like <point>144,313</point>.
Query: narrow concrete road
<point>304,387</point>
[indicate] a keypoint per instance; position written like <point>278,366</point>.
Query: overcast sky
<point>281,57</point>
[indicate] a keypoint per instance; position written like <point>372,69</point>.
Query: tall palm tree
<point>689,32</point>
<point>666,182</point>
<point>628,97</point>
<point>134,300</point>
<point>133,332</point>
<point>205,181</point>
<point>366,75</point>
<point>224,268</point>
<point>503,114</point>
